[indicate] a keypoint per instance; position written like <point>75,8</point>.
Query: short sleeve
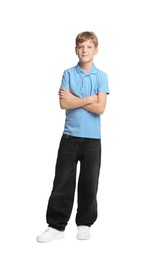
<point>65,80</point>
<point>103,85</point>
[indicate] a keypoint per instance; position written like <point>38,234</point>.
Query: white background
<point>37,44</point>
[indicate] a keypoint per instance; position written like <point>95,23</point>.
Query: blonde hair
<point>85,36</point>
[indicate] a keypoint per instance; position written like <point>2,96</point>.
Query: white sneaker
<point>49,235</point>
<point>83,233</point>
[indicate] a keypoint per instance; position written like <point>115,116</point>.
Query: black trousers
<point>60,204</point>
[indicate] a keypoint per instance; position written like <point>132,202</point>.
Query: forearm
<point>99,106</point>
<point>70,101</point>
<point>75,102</point>
<point>94,108</point>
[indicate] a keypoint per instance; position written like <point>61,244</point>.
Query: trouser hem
<point>57,228</point>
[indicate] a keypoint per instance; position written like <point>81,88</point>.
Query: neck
<point>86,67</point>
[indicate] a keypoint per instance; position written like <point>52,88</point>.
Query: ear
<point>96,51</point>
<point>76,50</point>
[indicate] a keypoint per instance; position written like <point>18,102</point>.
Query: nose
<point>84,49</point>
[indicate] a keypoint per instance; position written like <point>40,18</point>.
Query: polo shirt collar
<point>92,71</point>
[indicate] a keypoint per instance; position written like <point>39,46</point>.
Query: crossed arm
<point>95,103</point>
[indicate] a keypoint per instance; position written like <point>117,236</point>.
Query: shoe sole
<point>57,237</point>
<point>83,238</point>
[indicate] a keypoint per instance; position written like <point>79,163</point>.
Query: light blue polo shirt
<point>80,122</point>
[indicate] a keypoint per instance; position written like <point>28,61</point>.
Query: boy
<point>83,95</point>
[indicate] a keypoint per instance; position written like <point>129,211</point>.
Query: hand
<point>66,94</point>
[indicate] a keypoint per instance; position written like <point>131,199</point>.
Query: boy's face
<point>86,51</point>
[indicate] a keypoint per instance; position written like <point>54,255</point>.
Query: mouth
<point>84,55</point>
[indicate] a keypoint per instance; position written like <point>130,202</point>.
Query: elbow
<point>100,110</point>
<point>63,105</point>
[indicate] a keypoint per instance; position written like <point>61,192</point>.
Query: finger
<point>65,90</point>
